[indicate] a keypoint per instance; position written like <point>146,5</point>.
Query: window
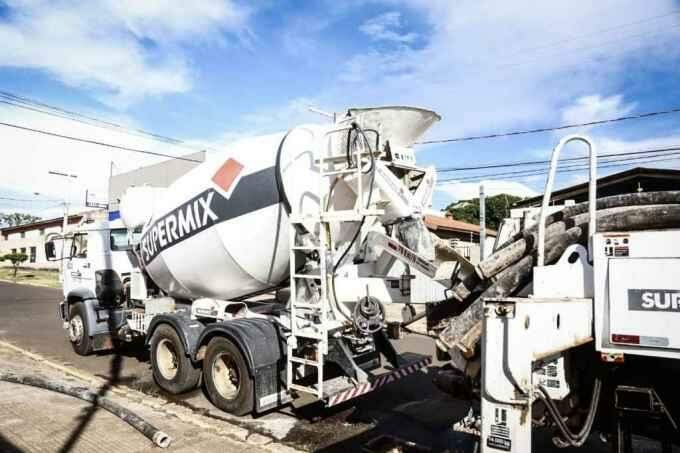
<point>23,234</point>
<point>31,258</point>
<point>14,251</point>
<point>79,246</point>
<point>42,231</point>
<point>119,240</point>
<point>23,250</point>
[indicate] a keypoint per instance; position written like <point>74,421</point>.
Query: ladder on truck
<point>308,344</point>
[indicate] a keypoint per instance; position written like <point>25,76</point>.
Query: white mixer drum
<point>221,230</point>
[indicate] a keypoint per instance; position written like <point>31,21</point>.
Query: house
<point>29,239</point>
<point>462,236</point>
<point>637,179</point>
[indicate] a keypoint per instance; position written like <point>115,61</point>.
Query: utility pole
<point>70,177</point>
<point>482,223</point>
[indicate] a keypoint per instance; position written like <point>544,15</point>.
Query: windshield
<point>119,240</point>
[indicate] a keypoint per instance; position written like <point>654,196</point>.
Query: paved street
<point>412,408</point>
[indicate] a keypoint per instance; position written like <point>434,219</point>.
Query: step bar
<point>380,381</point>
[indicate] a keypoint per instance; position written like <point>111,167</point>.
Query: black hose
<point>570,438</point>
<point>158,437</point>
<point>363,219</point>
<point>368,202</point>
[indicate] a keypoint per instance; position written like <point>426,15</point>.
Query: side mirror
<point>50,252</point>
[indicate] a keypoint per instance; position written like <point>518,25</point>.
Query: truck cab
<point>95,270</point>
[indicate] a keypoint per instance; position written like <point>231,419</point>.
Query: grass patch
<point>41,277</point>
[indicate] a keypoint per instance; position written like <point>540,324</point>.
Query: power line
<point>31,200</point>
<point>533,172</point>
<point>538,172</point>
<point>603,158</point>
<point>96,142</point>
<point>549,129</point>
<point>25,103</point>
<point>594,33</point>
<point>587,48</point>
<point>539,162</point>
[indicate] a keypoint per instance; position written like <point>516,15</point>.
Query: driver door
<point>79,272</point>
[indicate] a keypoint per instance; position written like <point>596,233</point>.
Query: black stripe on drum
<point>253,192</point>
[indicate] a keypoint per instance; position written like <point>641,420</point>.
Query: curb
<point>232,431</point>
<point>35,285</point>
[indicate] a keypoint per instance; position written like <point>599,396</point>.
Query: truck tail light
<point>627,339</point>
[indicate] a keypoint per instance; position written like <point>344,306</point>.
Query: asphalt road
<point>411,409</point>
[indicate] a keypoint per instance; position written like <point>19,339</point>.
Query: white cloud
<point>125,50</point>
<point>272,119</point>
<point>385,27</point>
<point>27,157</point>
<point>467,190</point>
<point>596,107</point>
<point>479,67</point>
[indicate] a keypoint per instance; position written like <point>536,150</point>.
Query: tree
<point>16,259</point>
<point>17,218</point>
<point>497,208</point>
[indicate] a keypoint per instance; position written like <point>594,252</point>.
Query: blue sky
<point>213,71</point>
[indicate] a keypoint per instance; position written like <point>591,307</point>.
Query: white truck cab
<point>96,268</point>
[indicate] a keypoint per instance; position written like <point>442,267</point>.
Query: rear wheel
<point>173,370</point>
<point>78,332</point>
<point>227,377</point>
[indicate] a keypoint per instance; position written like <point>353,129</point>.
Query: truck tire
<point>173,370</point>
<point>227,377</point>
<point>78,332</point>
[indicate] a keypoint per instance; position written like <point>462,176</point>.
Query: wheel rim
<point>166,359</point>
<point>75,329</point>
<point>226,377</point>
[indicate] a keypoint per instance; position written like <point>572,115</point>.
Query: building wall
<point>33,237</point>
<point>158,175</point>
<point>23,242</point>
<point>467,244</point>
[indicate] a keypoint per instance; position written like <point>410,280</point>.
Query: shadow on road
<point>7,446</point>
<point>112,380</point>
<point>414,414</point>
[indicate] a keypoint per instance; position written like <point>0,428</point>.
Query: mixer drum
<point>221,230</point>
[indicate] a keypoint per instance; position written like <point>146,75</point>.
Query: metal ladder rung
<point>305,361</point>
<point>339,172</point>
<point>350,215</point>
<point>310,335</point>
<point>312,276</point>
<point>302,388</point>
<point>300,220</point>
<point>306,247</point>
<point>306,305</point>
<point>343,157</point>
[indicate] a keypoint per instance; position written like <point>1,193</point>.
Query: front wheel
<point>78,332</point>
<point>173,371</point>
<point>227,377</point>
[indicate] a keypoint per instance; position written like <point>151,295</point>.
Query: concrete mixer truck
<point>266,269</point>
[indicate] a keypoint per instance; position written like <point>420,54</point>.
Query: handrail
<point>592,193</point>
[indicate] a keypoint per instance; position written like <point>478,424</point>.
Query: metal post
<point>592,194</point>
<point>482,223</point>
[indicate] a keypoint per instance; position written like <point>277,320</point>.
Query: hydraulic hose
<point>570,438</point>
<point>156,436</point>
<point>363,219</point>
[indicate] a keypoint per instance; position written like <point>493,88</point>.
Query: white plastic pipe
<point>592,193</point>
